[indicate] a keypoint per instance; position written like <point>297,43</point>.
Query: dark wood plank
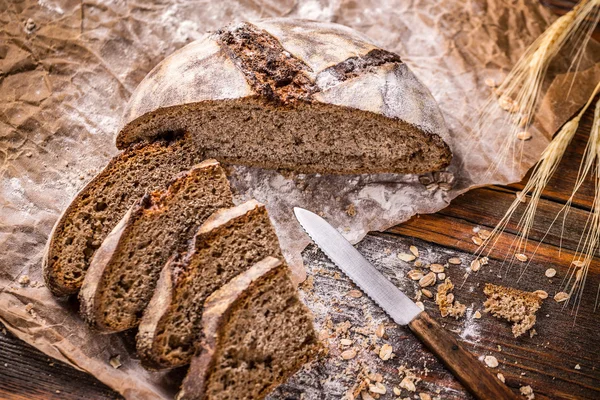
<point>26,373</point>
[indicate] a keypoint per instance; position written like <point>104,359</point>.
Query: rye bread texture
<point>256,334</point>
<point>123,272</point>
<point>513,305</point>
<point>301,95</point>
<point>101,204</point>
<point>227,244</point>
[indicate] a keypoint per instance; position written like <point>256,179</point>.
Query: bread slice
<point>308,96</point>
<point>256,333</point>
<point>124,270</point>
<point>228,243</point>
<point>99,206</point>
<point>513,305</point>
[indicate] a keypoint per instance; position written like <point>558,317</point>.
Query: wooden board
<point>546,361</point>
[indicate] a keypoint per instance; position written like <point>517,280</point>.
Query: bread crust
<point>90,308</point>
<point>217,309</point>
<point>163,294</point>
<point>209,70</point>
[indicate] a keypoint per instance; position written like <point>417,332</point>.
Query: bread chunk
<point>227,244</point>
<point>123,273</point>
<point>516,306</point>
<point>300,95</point>
<point>101,204</point>
<point>256,333</point>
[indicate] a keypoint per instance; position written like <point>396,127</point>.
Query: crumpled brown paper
<point>67,68</point>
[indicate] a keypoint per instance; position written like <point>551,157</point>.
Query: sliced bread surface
<point>256,334</point>
<point>101,204</point>
<point>513,305</point>
<point>228,243</point>
<point>123,273</point>
<point>302,95</point>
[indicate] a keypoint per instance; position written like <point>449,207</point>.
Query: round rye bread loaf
<point>292,94</point>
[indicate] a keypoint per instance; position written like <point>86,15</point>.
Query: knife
<point>470,372</point>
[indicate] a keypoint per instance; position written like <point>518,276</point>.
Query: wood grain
<point>478,380</point>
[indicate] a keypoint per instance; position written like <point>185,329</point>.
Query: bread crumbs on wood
<point>516,306</point>
<point>446,303</point>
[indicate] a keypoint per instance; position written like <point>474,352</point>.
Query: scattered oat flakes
<point>491,361</point>
<point>455,261</point>
<point>427,293</point>
<point>490,82</point>
<point>579,275</point>
<point>427,280</point>
<point>550,272</point>
<point>541,294</point>
<point>501,377</point>
<point>408,384</point>
<point>24,280</point>
<point>366,396</point>
<point>380,331</point>
<point>436,268</point>
<point>415,274</point>
<point>385,353</point>
<point>521,257</point>
<point>115,361</point>
<point>396,391</point>
<point>418,263</point>
<point>521,197</point>
<point>484,260</point>
<point>441,276</point>
<point>524,135</point>
<point>377,388</point>
<point>508,104</point>
<point>484,234</point>
<point>561,296</point>
<point>346,342</point>
<point>527,391</point>
<point>406,257</point>
<point>420,305</point>
<point>577,366</point>
<point>477,240</point>
<point>475,265</point>
<point>355,293</point>
<point>348,354</point>
<point>414,250</point>
<point>578,263</point>
<point>424,396</point>
<point>477,315</point>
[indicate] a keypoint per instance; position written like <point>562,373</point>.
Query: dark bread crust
<point>163,304</point>
<point>272,70</point>
<point>218,309</point>
<point>112,248</point>
<point>55,263</point>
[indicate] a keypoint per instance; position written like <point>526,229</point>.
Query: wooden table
<point>547,362</point>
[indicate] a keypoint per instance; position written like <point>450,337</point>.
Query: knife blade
<point>472,373</point>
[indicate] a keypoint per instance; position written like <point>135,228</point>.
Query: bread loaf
<point>99,206</point>
<point>228,243</point>
<point>123,273</point>
<point>256,334</point>
<point>292,94</point>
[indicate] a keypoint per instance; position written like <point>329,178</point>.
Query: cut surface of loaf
<point>257,333</point>
<point>292,94</point>
<point>513,305</point>
<point>123,273</point>
<point>99,206</point>
<point>228,243</point>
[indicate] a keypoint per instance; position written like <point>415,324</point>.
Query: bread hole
<point>100,206</point>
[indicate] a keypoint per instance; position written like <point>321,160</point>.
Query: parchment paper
<point>67,67</point>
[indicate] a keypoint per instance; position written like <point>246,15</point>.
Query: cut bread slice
<point>256,334</point>
<point>301,95</point>
<point>99,206</point>
<point>513,305</point>
<point>228,243</point>
<point>124,270</point>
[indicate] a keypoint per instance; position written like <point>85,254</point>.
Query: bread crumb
<point>445,301</point>
<point>420,305</point>
<point>386,352</point>
<point>377,388</point>
<point>115,361</point>
<point>577,366</point>
<point>491,361</point>
<point>501,377</point>
<point>424,396</point>
<point>527,391</point>
<point>477,315</point>
<point>408,384</point>
<point>513,305</point>
<point>366,396</point>
<point>24,280</point>
<point>351,210</point>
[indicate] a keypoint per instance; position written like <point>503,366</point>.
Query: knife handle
<point>472,373</point>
